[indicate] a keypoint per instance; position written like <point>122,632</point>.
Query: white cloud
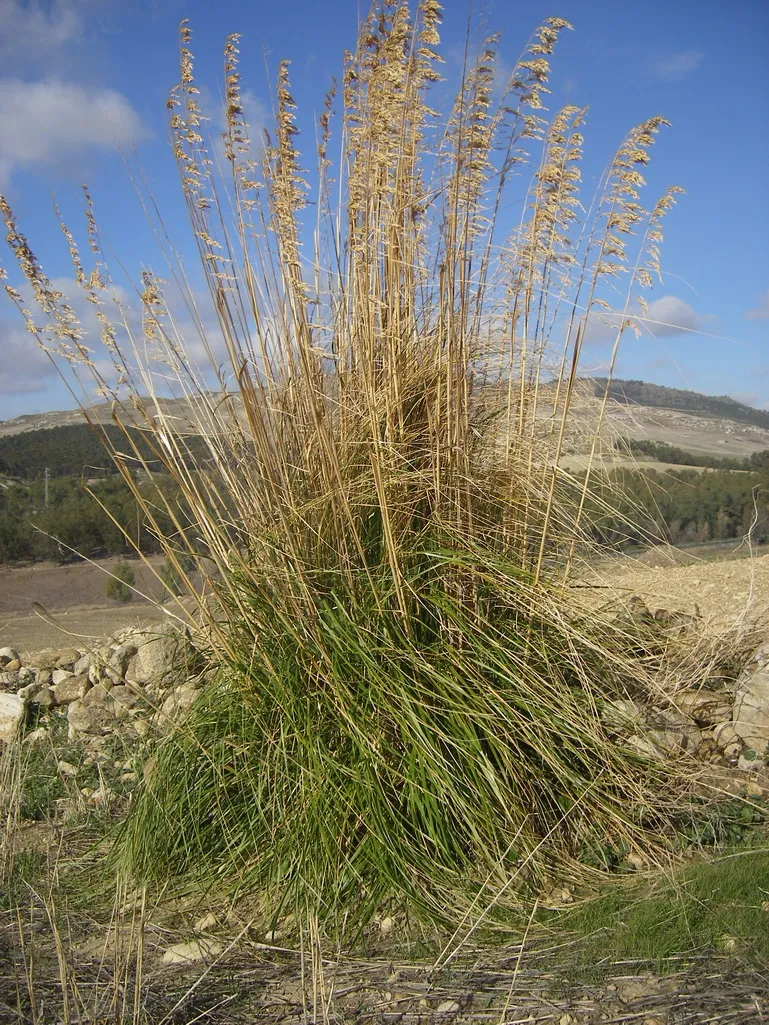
<point>49,123</point>
<point>670,316</point>
<point>672,67</point>
<point>666,317</point>
<point>760,312</point>
<point>35,30</point>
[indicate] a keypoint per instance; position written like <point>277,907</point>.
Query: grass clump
<point>407,701</point>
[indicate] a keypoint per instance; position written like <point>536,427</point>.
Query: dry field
<point>73,596</point>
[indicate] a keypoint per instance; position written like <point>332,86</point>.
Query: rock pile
<point>128,680</point>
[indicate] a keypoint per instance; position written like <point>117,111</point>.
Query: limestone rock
<point>72,688</point>
<point>13,712</point>
<point>60,675</point>
<point>179,701</point>
<point>159,660</point>
<point>705,706</point>
<point>751,703</point>
<point>191,952</point>
<point>8,655</point>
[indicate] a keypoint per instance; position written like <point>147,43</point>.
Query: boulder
<point>72,688</point>
<point>13,712</point>
<point>159,661</point>
<point>179,701</point>
<point>121,656</point>
<point>706,707</point>
<point>60,675</point>
<point>89,719</point>
<point>751,703</point>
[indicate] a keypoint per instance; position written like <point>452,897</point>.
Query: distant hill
<point>74,450</point>
<point>656,395</point>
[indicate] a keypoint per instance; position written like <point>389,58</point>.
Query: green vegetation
<point>81,450</point>
<point>118,586</point>
<point>679,506</point>
<point>105,518</point>
<point>665,453</point>
<point>710,906</point>
<point>643,393</point>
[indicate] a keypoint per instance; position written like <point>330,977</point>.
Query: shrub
<point>118,587</point>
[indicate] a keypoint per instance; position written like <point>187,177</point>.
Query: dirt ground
<point>73,597</point>
<point>726,591</point>
<point>723,585</point>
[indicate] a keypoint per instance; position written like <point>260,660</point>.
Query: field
<point>74,597</point>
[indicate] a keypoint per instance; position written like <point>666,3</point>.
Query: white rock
<point>30,692</point>
<point>386,926</point>
<point>158,661</point>
<point>67,769</point>
<point>447,1007</point>
<point>60,675</point>
<point>189,953</point>
<point>13,711</point>
<point>751,703</point>
<point>207,922</point>
<point>8,655</point>
<point>705,706</point>
<point>72,688</point>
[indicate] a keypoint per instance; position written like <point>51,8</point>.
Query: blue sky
<point>83,83</point>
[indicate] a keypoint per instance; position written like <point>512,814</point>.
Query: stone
<point>447,1007</point>
<point>14,666</point>
<point>30,692</point>
<point>621,713</point>
<point>65,658</point>
<point>121,656</point>
<point>60,675</point>
<point>83,664</point>
<point>73,688</point>
<point>751,703</point>
<point>179,701</point>
<point>160,660</point>
<point>207,922</point>
<point>707,707</point>
<point>13,713</point>
<point>8,655</point>
<point>749,761</point>
<point>67,769</point>
<point>191,952</point>
<point>88,719</point>
<point>387,925</point>
<point>45,698</point>
<point>658,744</point>
<point>726,735</point>
<point>9,681</point>
<point>99,694</point>
<point>123,697</point>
